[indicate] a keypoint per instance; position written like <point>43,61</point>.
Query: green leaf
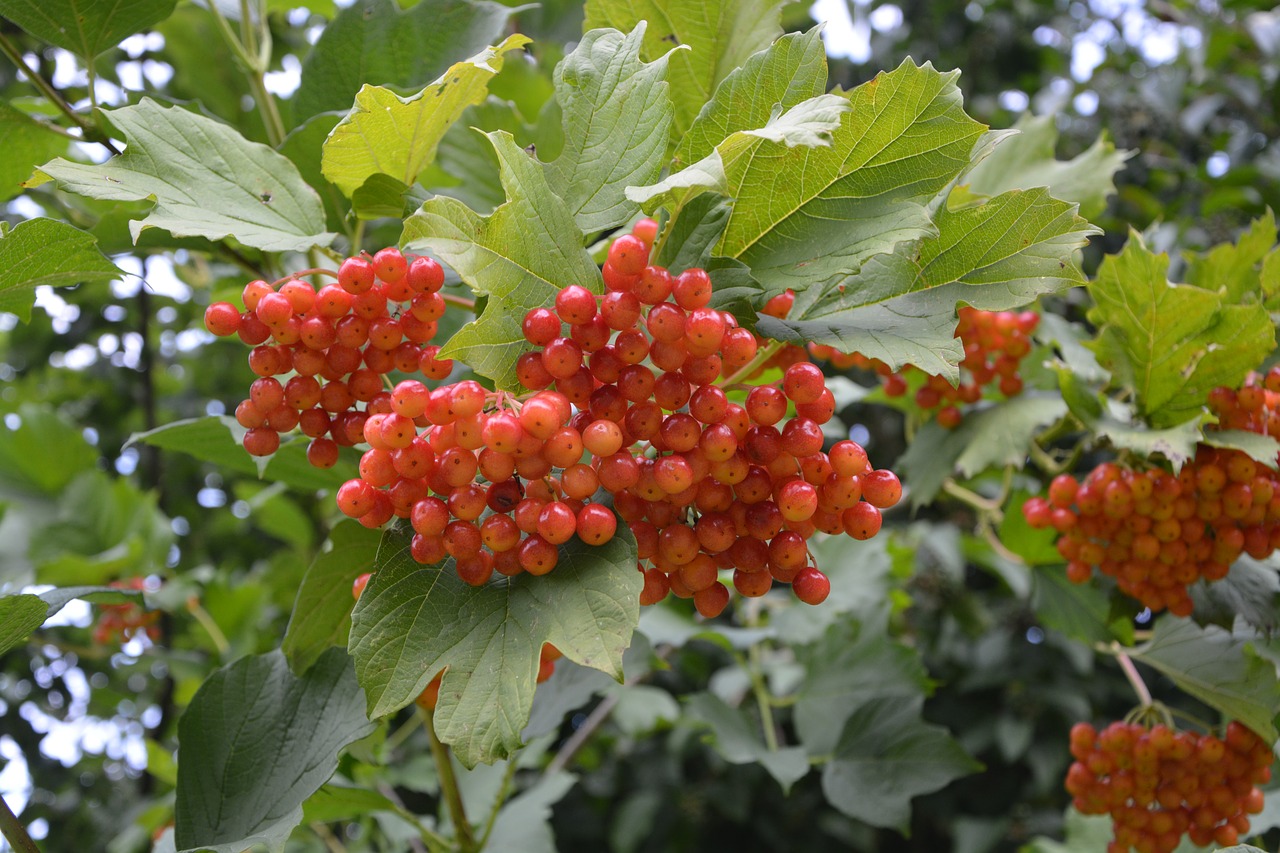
<point>1081,611</point>
<point>1172,343</point>
<point>616,113</point>
<point>722,35</point>
<point>333,803</point>
<point>738,741</point>
<point>304,146</point>
<point>524,822</point>
<point>47,252</point>
<point>520,256</point>
<point>995,436</point>
<point>60,597</point>
<point>886,755</point>
<point>43,454</point>
<point>1036,546</point>
<point>1250,591</point>
<point>900,306</point>
<point>376,42</point>
<point>1217,668</point>
<point>854,663</point>
<point>85,27</point>
<point>27,144</point>
<point>19,616</point>
<point>791,70</point>
<point>860,588</point>
<point>687,240</point>
<point>255,742</point>
<point>802,215</point>
<point>413,621</point>
<point>217,439</point>
<point>206,179</point>
<point>1233,268</point>
<point>1259,447</point>
<point>1026,160</point>
<point>385,134</point>
<point>322,612</point>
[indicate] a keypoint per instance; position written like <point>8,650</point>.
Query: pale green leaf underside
<point>616,113</point>
<point>1216,668</point>
<point>413,621</point>
<point>791,70</point>
<point>721,35</point>
<point>1026,160</point>
<point>519,256</point>
<point>47,252</point>
<point>390,135</point>
<point>205,178</point>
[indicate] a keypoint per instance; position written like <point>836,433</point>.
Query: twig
<point>92,133</point>
<point>503,790</point>
<point>326,835</point>
<point>449,786</point>
<point>469,304</point>
<point>973,499</point>
<point>211,627</point>
<point>582,734</point>
<point>761,691</point>
<point>434,839</point>
<point>752,366</point>
<point>1131,673</point>
<point>14,832</point>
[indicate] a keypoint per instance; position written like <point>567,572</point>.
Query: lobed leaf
<point>736,740</point>
<point>205,178</point>
<point>616,111</point>
<point>519,256</point>
<point>379,43</point>
<point>27,143</point>
<point>385,134</point>
<point>721,35</point>
<point>414,621</point>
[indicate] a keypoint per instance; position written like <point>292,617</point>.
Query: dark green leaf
<point>85,27</point>
<point>616,113</point>
<point>255,743</point>
<point>852,664</point>
<point>333,803</point>
<point>217,439</point>
<point>42,455</point>
<point>737,741</point>
<point>206,179</point>
<point>1250,591</point>
<point>19,616</point>
<point>322,613</point>
<point>885,756</point>
<point>688,239</point>
<point>414,620</point>
<point>304,146</point>
<point>1037,547</point>
<point>378,43</point>
<point>519,256</point>
<point>1217,668</point>
<point>1081,611</point>
<point>48,252</point>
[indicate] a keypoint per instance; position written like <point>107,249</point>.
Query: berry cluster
<point>499,481</point>
<point>118,623</point>
<point>995,342</point>
<point>704,483</point>
<point>338,343</point>
<point>1158,784</point>
<point>1156,533</point>
<point>430,695</point>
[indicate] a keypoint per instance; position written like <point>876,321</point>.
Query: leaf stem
<point>92,133</point>
<point>434,840</point>
<point>449,786</point>
<point>252,61</point>
<point>762,356</point>
<point>301,273</point>
<point>503,790</point>
<point>582,734</point>
<point>326,835</point>
<point>211,627</point>
<point>14,832</point>
<point>972,498</point>
<point>469,304</point>
<point>761,691</point>
<point>1131,673</point>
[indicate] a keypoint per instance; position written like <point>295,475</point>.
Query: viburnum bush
<point>540,428</point>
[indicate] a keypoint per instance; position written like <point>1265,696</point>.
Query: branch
<point>14,832</point>
<point>92,133</point>
<point>582,734</point>
<point>449,787</point>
